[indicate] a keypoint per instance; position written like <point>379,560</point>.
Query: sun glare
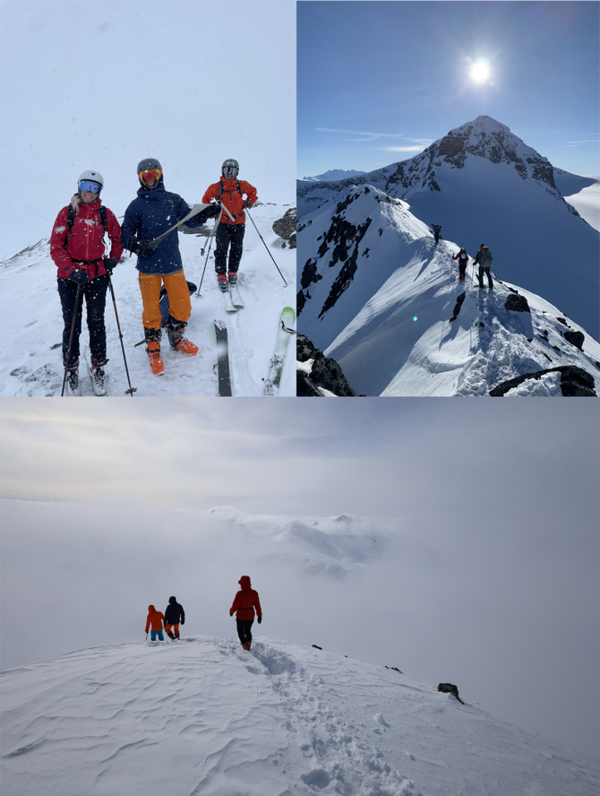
<point>480,71</point>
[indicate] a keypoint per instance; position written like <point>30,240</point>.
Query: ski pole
<point>131,389</point>
<point>68,357</point>
<point>267,248</point>
<point>206,261</point>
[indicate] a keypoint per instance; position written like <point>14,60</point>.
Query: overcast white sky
<point>103,85</point>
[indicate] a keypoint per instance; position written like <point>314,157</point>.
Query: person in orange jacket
<point>244,603</point>
<point>155,621</point>
<point>229,192</point>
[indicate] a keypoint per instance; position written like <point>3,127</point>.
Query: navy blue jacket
<point>147,217</point>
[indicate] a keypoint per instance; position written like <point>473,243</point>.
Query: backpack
<point>463,257</point>
<point>71,221</point>
<point>238,189</point>
<point>486,255</point>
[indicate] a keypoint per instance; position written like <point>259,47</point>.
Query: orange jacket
<point>155,619</point>
<point>246,600</point>
<point>231,198</point>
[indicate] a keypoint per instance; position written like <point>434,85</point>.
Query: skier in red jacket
<point>229,192</point>
<point>77,248</point>
<point>246,600</point>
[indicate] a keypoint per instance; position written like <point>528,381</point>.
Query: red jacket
<point>246,600</point>
<point>231,198</point>
<point>155,619</point>
<point>85,241</point>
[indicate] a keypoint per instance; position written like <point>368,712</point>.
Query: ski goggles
<point>89,185</point>
<point>233,170</point>
<point>150,174</point>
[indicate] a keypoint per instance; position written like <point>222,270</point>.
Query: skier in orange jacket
<point>156,621</point>
<point>229,192</point>
<point>244,603</point>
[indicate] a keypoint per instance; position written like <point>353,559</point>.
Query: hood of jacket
<point>244,582</point>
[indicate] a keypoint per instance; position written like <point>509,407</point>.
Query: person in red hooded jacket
<point>77,248</point>
<point>244,603</point>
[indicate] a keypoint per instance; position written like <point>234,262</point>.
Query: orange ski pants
<point>177,290</point>
<point>175,629</point>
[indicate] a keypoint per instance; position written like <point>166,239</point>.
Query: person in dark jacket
<point>153,212</point>
<point>77,247</point>
<point>437,228</point>
<point>484,261</point>
<point>230,192</point>
<point>174,616</point>
<point>244,603</point>
<point>463,259</point>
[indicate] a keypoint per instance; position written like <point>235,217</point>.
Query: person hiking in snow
<point>155,621</point>
<point>463,259</point>
<point>77,248</point>
<point>153,212</point>
<point>244,603</point>
<point>484,261</point>
<point>437,228</point>
<point>230,191</point>
<point>174,615</point>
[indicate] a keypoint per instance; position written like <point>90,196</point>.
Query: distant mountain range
<point>375,292</point>
<point>335,174</point>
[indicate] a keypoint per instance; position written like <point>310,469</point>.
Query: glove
<point>110,263</point>
<point>211,211</point>
<point>143,248</point>
<point>259,619</point>
<point>183,621</point>
<point>247,204</point>
<point>79,276</point>
<point>231,613</point>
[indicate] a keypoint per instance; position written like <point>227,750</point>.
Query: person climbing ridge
<point>244,603</point>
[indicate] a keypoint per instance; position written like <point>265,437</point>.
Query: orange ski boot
<point>177,340</point>
<point>153,349</point>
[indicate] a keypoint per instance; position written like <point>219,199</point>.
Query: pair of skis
<point>272,381</point>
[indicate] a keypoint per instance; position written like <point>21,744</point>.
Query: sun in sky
<point>480,71</point>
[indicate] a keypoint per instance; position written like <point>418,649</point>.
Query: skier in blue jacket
<point>153,212</point>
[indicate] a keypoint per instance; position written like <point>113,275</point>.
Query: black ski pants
<point>95,301</point>
<point>462,269</point>
<point>485,270</point>
<point>229,235</point>
<point>243,629</point>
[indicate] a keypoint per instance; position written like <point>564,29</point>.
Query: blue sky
<point>379,81</point>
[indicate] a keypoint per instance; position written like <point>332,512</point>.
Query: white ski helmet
<point>92,176</point>
<point>230,168</point>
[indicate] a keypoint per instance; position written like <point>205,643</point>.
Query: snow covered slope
<point>202,717</point>
<point>30,357</point>
<point>380,298</point>
<point>483,184</point>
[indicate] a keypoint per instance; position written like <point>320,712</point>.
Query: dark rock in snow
<point>325,373</point>
<point>574,382</point>
<point>575,338</point>
<point>286,227</point>
<point>516,303</point>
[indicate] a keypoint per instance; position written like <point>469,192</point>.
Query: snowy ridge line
<point>278,719</point>
<point>382,299</point>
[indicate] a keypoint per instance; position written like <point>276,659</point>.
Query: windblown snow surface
<point>31,362</point>
<point>375,294</point>
<point>202,717</point>
<point>385,302</point>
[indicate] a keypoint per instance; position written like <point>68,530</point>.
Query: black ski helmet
<point>144,165</point>
<point>92,176</point>
<point>230,168</point>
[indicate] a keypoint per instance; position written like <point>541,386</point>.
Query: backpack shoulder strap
<point>102,212</point>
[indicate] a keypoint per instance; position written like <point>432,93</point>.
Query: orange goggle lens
<point>150,174</point>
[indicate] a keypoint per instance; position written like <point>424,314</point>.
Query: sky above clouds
<point>380,81</point>
<point>101,86</point>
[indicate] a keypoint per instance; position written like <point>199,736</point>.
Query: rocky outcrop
<point>516,303</point>
<point>325,373</point>
<point>286,228</point>
<point>574,381</point>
